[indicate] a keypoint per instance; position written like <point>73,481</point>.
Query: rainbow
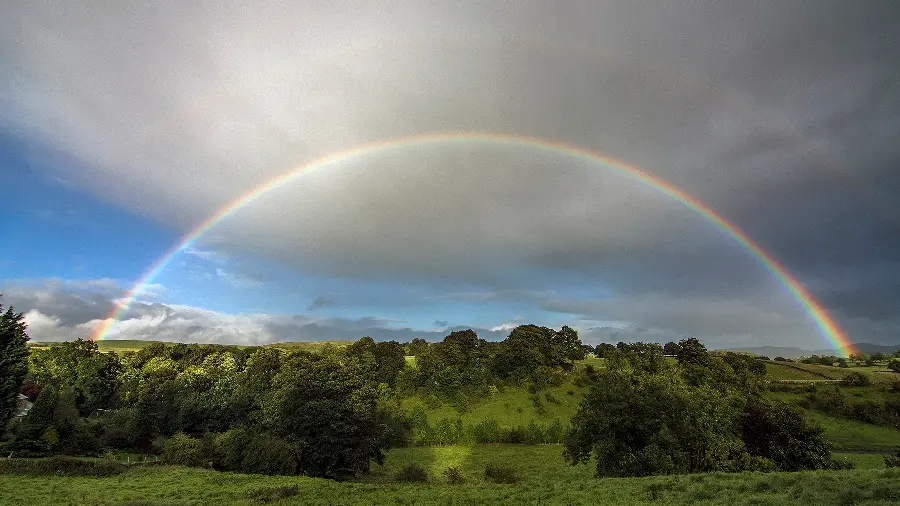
<point>816,313</point>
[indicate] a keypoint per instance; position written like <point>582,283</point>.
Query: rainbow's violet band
<point>826,325</point>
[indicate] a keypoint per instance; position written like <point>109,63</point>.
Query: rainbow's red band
<point>826,325</point>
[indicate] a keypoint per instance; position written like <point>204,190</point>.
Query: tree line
<point>333,413</point>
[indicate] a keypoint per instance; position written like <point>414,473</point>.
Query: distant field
<point>118,346</point>
<point>181,486</point>
<point>311,346</point>
<point>851,435</point>
<point>511,407</point>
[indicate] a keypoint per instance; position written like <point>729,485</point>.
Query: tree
<point>603,349</point>
<point>417,346</point>
<point>327,411</point>
<point>781,434</point>
<point>692,351</point>
<point>638,424</point>
<point>13,361</point>
<point>671,349</point>
<point>894,365</point>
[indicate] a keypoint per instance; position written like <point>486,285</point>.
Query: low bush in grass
<point>412,473</point>
<point>61,466</point>
<point>500,474</point>
<point>454,476</point>
<point>892,460</point>
<point>272,494</point>
<point>856,379</point>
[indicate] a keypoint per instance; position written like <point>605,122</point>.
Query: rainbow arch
<point>829,329</point>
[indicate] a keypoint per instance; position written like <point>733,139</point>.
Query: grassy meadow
<point>183,486</point>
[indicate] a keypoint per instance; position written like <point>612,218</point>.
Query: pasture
<point>183,486</point>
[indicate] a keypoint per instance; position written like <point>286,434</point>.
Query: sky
<point>125,126</point>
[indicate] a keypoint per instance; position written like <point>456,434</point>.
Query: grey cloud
<point>781,116</point>
<point>320,302</point>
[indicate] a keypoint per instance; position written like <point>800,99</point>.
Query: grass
<point>862,460</point>
<point>182,486</point>
<point>851,435</point>
<point>532,463</point>
<point>780,371</point>
<point>511,407</point>
<point>310,346</point>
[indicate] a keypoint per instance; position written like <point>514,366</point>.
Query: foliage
<point>692,351</point>
<point>892,460</point>
<point>273,494</point>
<point>13,361</point>
<point>454,476</point>
<point>412,473</point>
<point>781,434</point>
<point>60,466</point>
<point>638,423</point>
<point>856,379</point>
<point>499,473</point>
<point>894,365</point>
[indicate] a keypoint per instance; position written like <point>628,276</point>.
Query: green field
<point>851,435</point>
<point>182,486</point>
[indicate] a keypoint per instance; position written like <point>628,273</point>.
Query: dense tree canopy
<point>646,416</point>
<point>13,361</point>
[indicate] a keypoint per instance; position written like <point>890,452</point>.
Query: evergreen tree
<point>13,361</point>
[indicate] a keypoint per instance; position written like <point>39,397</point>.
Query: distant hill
<point>123,345</point>
<point>789,352</point>
<point>782,351</point>
<point>877,348</point>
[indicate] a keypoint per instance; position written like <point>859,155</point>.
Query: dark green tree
<point>328,412</point>
<point>671,349</point>
<point>13,361</point>
<point>781,434</point>
<point>417,346</point>
<point>894,365</point>
<point>692,351</point>
<point>636,423</point>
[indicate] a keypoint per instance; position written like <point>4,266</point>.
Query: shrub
<point>538,405</point>
<point>486,431</point>
<point>840,464</point>
<point>61,466</point>
<point>412,473</point>
<point>551,398</point>
<point>272,494</point>
<point>892,460</point>
<point>454,476</point>
<point>856,379</point>
<point>555,433</point>
<point>500,474</point>
<point>182,449</point>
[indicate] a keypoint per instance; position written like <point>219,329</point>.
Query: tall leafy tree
<point>13,360</point>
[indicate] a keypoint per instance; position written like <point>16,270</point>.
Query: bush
<point>551,398</point>
<point>454,476</point>
<point>61,466</point>
<point>856,379</point>
<point>841,464</point>
<point>486,431</point>
<point>892,460</point>
<point>500,474</point>
<point>183,450</point>
<point>272,494</point>
<point>412,473</point>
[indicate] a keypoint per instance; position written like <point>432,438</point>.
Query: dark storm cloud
<point>783,116</point>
